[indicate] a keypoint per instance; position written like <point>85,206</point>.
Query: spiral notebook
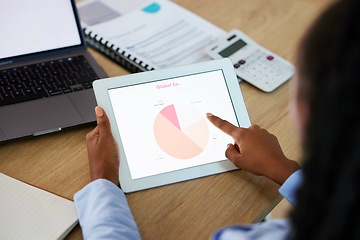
<point>152,35</point>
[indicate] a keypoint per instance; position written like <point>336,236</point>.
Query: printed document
<point>160,33</point>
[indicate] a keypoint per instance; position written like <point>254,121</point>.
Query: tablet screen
<point>163,125</point>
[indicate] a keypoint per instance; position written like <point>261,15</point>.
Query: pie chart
<point>181,131</point>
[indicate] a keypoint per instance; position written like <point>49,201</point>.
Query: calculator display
<point>232,48</point>
<point>252,62</point>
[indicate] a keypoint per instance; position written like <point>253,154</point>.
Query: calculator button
<point>242,62</point>
<point>236,65</point>
<point>270,58</point>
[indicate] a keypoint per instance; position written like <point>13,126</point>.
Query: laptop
<point>46,73</point>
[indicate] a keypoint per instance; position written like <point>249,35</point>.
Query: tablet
<point>158,119</point>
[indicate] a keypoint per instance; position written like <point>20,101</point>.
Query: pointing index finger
<point>223,125</point>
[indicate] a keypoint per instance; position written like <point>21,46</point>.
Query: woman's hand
<point>102,150</point>
<point>256,150</point>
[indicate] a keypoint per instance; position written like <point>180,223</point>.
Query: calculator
<point>252,62</point>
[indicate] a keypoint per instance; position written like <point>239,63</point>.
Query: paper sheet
<point>99,11</point>
<point>27,212</point>
<point>160,33</point>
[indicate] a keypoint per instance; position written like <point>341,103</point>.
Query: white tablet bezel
<point>102,86</point>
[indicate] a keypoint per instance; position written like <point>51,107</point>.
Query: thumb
<point>232,153</point>
<point>102,121</point>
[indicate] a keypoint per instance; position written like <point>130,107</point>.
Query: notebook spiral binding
<point>114,53</point>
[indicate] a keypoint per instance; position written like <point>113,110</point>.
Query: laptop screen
<point>35,26</point>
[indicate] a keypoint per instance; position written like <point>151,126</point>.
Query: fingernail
<point>99,111</point>
<point>209,115</point>
<point>228,145</point>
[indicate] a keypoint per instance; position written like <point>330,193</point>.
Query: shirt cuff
<point>288,189</point>
<point>104,212</point>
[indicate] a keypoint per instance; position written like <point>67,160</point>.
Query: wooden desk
<point>196,208</point>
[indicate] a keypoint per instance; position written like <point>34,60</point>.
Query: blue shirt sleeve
<point>104,212</point>
<point>289,187</point>
<point>271,229</point>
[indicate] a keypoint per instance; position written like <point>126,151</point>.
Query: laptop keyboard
<point>45,79</point>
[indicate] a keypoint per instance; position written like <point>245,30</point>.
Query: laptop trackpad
<point>38,116</point>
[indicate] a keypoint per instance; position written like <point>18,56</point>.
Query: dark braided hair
<point>328,204</point>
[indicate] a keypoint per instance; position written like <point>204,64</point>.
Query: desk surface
<point>192,209</point>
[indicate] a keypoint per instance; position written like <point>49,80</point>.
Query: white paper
<point>99,11</point>
<point>27,212</point>
<point>160,33</point>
